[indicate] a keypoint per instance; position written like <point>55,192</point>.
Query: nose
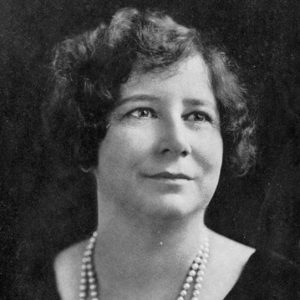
<point>174,140</point>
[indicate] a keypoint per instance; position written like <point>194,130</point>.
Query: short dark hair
<point>89,69</point>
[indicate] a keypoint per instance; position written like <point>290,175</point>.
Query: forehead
<point>169,70</point>
<point>190,76</point>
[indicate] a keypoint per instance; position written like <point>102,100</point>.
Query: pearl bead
<point>186,286</point>
<point>86,259</point>
<point>90,246</point>
<point>94,294</point>
<point>87,252</point>
<point>82,294</point>
<point>183,293</point>
<point>198,260</point>
<point>92,280</point>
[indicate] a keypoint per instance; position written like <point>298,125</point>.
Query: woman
<point>156,113</point>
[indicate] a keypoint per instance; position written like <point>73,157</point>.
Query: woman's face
<point>162,154</point>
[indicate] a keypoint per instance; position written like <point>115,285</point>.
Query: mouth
<point>170,176</point>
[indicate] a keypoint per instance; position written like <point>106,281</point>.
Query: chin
<point>174,207</point>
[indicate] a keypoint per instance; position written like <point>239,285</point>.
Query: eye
<point>197,116</point>
<point>141,113</point>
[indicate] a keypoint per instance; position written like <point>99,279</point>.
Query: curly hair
<point>89,69</point>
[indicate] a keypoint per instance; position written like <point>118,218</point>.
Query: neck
<point>146,249</point>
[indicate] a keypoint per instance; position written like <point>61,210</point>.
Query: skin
<point>165,122</point>
<point>158,168</point>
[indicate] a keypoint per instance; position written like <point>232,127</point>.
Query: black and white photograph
<point>149,150</point>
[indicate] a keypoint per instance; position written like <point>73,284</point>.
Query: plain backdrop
<point>47,204</point>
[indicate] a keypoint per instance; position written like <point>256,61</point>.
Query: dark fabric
<point>267,276</point>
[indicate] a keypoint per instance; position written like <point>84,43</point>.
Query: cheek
<point>209,151</point>
<point>124,148</point>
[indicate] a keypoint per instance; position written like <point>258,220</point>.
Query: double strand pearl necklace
<point>89,285</point>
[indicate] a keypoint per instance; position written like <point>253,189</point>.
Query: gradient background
<point>46,205</point>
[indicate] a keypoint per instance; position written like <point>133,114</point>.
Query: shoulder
<point>67,267</point>
<point>226,263</point>
<point>274,268</point>
<point>270,276</point>
<point>230,252</point>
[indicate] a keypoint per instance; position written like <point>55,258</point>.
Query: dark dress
<point>266,276</point>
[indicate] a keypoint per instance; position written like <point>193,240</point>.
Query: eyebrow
<point>137,98</point>
<point>197,102</point>
<point>145,97</point>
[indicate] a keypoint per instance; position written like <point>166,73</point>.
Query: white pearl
<point>195,266</point>
<point>94,293</point>
<point>199,279</point>
<point>192,273</point>
<point>90,246</point>
<point>186,286</point>
<point>87,252</point>
<point>183,293</point>
<point>196,293</point>
<point>189,279</point>
<point>180,298</point>
<point>198,286</point>
<point>86,259</point>
<point>92,280</point>
<point>198,260</point>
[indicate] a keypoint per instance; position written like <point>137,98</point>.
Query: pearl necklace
<point>89,286</point>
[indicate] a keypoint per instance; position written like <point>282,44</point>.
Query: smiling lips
<point>170,176</point>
